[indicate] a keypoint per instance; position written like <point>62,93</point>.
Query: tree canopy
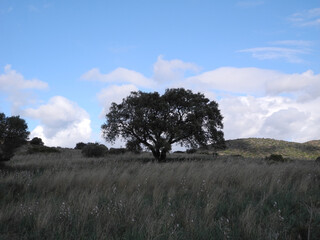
<point>158,121</point>
<point>13,133</point>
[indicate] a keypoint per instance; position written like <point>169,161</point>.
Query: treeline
<point>100,150</point>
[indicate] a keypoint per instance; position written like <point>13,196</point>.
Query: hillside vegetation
<point>67,196</point>
<point>262,147</point>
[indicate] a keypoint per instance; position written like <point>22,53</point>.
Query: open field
<point>66,196</point>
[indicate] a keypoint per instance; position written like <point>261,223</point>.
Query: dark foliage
<point>157,122</point>
<point>94,150</point>
<point>178,152</point>
<point>134,146</point>
<point>275,158</point>
<point>42,149</point>
<point>318,160</point>
<point>80,145</point>
<point>191,150</point>
<point>13,134</point>
<point>117,151</point>
<point>37,141</point>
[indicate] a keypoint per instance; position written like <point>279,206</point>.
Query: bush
<point>178,152</point>
<point>94,150</point>
<point>318,160</point>
<point>117,151</point>
<point>42,149</point>
<point>37,141</point>
<point>80,145</point>
<point>275,158</point>
<point>192,150</point>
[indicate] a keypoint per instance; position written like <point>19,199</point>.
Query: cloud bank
<point>17,89</point>
<point>62,122</point>
<point>255,102</point>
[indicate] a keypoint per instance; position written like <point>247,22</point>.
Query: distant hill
<point>262,147</point>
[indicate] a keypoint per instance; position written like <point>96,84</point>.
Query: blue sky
<point>63,62</point>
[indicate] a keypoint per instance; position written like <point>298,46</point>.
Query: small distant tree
<point>117,151</point>
<point>192,150</point>
<point>94,150</point>
<point>13,134</point>
<point>157,122</point>
<point>37,141</point>
<point>80,145</point>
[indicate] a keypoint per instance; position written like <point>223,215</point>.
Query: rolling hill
<point>262,147</point>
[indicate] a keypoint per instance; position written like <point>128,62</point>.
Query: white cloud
<point>173,70</point>
<point>229,79</point>
<point>164,71</point>
<point>119,75</point>
<point>275,104</point>
<point>264,53</point>
<point>12,80</point>
<point>115,94</point>
<point>18,89</point>
<point>62,122</point>
<point>306,18</point>
<point>273,117</point>
<point>256,81</point>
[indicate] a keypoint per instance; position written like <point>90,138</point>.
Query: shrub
<point>275,158</point>
<point>192,150</point>
<point>318,160</point>
<point>94,150</point>
<point>117,151</point>
<point>37,141</point>
<point>178,152</point>
<point>42,149</point>
<point>80,145</point>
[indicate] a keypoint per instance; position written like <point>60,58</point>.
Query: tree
<point>80,145</point>
<point>157,122</point>
<point>36,141</point>
<point>13,133</point>
<point>94,150</point>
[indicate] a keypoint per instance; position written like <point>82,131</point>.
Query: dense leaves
<point>13,133</point>
<point>157,122</point>
<point>36,141</point>
<point>94,150</point>
<point>80,145</point>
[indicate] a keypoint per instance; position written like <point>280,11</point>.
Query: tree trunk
<point>160,156</point>
<point>163,156</point>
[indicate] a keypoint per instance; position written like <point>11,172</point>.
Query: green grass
<point>66,196</point>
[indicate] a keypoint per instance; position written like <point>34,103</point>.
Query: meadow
<point>67,196</point>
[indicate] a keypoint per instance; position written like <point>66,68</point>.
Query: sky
<point>62,63</point>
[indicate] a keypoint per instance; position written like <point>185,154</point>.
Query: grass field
<point>66,196</point>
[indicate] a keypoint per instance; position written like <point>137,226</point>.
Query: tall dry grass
<point>66,196</point>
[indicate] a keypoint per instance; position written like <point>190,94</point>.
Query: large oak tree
<point>158,121</point>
